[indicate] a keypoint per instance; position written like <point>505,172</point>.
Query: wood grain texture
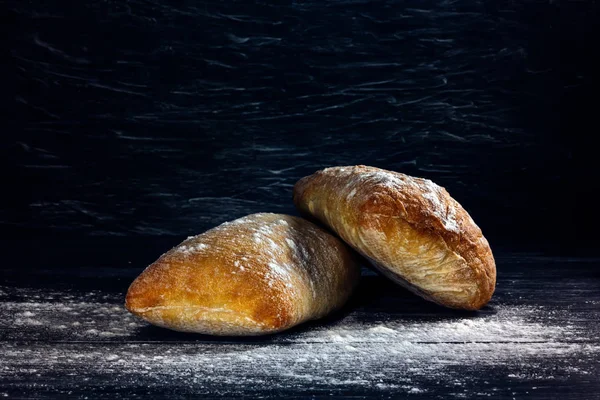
<point>164,119</point>
<point>65,332</point>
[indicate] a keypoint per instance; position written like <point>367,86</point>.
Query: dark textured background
<point>136,118</point>
<point>128,125</point>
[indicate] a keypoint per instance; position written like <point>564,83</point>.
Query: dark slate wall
<point>166,118</point>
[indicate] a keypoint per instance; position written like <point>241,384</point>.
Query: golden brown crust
<point>410,228</point>
<point>256,275</point>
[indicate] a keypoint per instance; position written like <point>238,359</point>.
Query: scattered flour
<point>191,248</point>
<point>451,351</point>
<point>351,194</point>
<point>201,246</point>
<point>283,271</point>
<point>28,322</point>
<point>290,243</point>
<point>381,329</point>
<point>27,314</point>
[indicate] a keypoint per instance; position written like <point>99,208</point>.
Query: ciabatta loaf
<point>409,228</point>
<point>256,275</point>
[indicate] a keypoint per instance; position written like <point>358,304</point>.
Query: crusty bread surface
<point>256,275</point>
<point>410,229</point>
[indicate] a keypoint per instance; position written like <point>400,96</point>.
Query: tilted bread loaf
<point>409,228</point>
<point>255,275</point>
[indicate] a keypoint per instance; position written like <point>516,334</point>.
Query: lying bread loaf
<point>409,228</point>
<point>256,275</point>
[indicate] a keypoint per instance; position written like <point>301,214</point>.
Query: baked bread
<point>252,276</point>
<point>409,228</point>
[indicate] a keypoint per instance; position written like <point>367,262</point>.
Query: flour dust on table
<point>387,342</point>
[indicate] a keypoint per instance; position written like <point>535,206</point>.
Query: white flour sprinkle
<point>201,246</point>
<point>290,243</point>
<point>236,263</point>
<point>279,270</point>
<point>188,249</point>
<point>351,194</point>
<point>381,329</point>
<point>274,246</point>
<point>392,354</point>
<point>184,249</point>
<point>447,215</point>
<point>27,322</point>
<point>28,314</point>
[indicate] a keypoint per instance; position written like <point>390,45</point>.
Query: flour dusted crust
<point>409,228</point>
<point>255,275</point>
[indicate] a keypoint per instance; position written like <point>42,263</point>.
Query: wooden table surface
<point>65,333</point>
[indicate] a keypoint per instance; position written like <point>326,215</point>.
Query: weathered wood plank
<point>538,338</point>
